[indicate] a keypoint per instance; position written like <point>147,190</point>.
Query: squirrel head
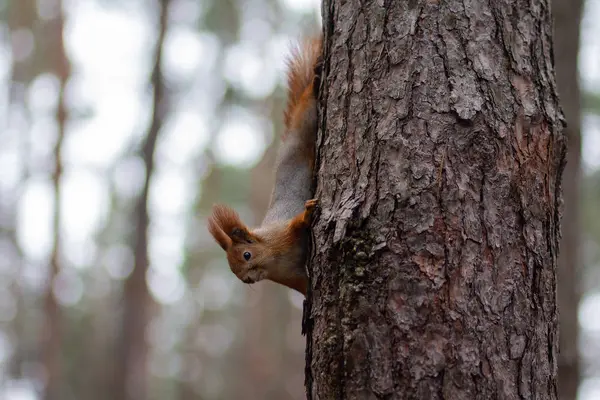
<point>247,253</point>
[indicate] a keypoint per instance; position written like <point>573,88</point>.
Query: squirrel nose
<point>247,280</point>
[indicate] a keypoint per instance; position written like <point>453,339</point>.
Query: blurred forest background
<point>121,123</point>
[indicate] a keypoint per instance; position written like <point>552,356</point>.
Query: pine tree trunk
<point>131,381</point>
<point>52,331</point>
<point>433,273</point>
<point>266,356</point>
<point>567,18</point>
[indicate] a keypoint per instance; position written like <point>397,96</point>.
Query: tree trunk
<point>265,353</point>
<point>259,347</point>
<point>131,374</point>
<point>19,17</point>
<point>52,332</point>
<point>440,154</point>
<point>567,17</point>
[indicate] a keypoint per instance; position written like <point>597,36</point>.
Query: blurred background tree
<point>567,25</point>
<point>85,90</point>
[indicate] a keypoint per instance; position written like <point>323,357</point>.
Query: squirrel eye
<point>247,255</point>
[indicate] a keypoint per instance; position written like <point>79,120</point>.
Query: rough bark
<point>440,155</point>
<point>131,372</point>
<point>567,18</point>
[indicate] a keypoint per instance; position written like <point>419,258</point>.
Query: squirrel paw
<point>309,209</point>
<point>303,220</point>
<point>311,204</point>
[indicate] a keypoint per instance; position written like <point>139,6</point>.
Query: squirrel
<point>277,249</point>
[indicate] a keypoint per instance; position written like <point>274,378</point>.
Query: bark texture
<point>567,18</point>
<point>440,154</point>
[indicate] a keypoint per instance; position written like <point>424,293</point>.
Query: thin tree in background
<point>22,73</point>
<point>52,335</point>
<point>567,18</point>
<point>131,374</point>
<point>258,351</point>
<point>264,351</point>
<point>433,274</point>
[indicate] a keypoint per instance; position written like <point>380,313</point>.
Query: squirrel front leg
<point>291,271</point>
<point>304,219</point>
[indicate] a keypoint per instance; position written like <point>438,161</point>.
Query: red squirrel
<point>276,250</point>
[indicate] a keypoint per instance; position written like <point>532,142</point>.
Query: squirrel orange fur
<point>276,250</point>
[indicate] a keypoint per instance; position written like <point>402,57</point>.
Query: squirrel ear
<point>227,228</point>
<point>220,236</point>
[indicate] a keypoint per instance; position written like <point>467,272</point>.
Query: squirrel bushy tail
<point>302,79</point>
<point>276,250</point>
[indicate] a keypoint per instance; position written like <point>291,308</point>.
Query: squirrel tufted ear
<point>227,228</point>
<point>218,234</point>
